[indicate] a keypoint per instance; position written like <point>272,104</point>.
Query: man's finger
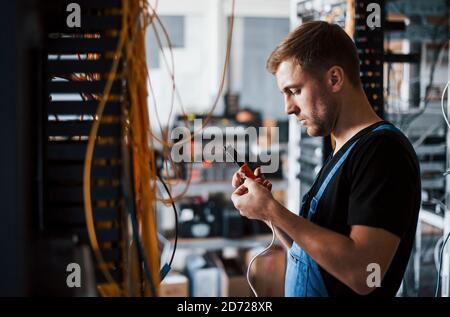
<point>237,180</point>
<point>268,184</point>
<point>249,183</point>
<point>258,173</point>
<point>241,190</point>
<point>260,181</point>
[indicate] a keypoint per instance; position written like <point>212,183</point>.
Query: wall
<point>199,65</point>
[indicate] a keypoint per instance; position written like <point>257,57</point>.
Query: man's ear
<point>335,78</point>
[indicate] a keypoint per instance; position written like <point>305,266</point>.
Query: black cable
<point>176,220</point>
<point>141,254</point>
<point>128,189</point>
<point>426,98</point>
<point>440,265</point>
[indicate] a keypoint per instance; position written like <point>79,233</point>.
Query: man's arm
<point>346,258</point>
<point>285,240</point>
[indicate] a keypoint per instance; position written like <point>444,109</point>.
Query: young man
<point>359,217</point>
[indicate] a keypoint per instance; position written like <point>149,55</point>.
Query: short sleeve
<point>385,184</point>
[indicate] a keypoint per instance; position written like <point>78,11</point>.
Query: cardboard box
<point>174,285</point>
<point>267,272</point>
<point>236,284</point>
<point>204,276</point>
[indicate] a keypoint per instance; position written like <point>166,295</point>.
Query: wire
<point>127,188</point>
<point>144,169</point>
<point>176,221</point>
<point>213,107</point>
<point>90,152</point>
<point>445,115</point>
<point>440,265</point>
<point>135,18</point>
<point>426,98</point>
<point>224,71</point>
<point>442,104</point>
<point>257,255</point>
<point>436,250</point>
<point>432,68</point>
<point>143,259</point>
<point>141,147</point>
<point>448,235</point>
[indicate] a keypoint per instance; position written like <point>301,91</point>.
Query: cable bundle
<point>130,52</point>
<point>139,173</point>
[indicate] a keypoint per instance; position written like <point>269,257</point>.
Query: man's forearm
<point>285,240</point>
<point>336,253</point>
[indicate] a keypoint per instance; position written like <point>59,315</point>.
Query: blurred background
<point>88,113</point>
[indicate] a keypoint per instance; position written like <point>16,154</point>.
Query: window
<point>254,39</point>
<point>174,26</point>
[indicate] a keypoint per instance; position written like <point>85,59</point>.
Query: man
<point>361,213</point>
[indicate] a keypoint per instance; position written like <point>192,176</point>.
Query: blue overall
<point>303,277</point>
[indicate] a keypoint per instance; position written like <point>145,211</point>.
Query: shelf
<point>431,218</point>
<point>218,243</point>
<point>218,186</point>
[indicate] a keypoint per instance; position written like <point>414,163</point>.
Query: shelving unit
<point>218,243</point>
<point>217,186</point>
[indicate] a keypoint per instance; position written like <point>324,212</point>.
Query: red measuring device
<point>243,166</point>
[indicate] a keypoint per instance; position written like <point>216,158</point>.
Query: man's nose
<point>290,106</point>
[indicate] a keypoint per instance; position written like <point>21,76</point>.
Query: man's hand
<point>238,180</point>
<point>253,200</point>
<point>241,189</point>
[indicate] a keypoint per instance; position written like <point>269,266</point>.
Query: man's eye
<point>296,91</point>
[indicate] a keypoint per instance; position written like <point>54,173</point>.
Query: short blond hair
<point>317,46</point>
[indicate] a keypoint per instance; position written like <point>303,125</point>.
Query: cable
<point>432,68</point>
<point>214,105</point>
<point>436,250</point>
<point>442,104</point>
<point>224,71</point>
<point>141,147</point>
<point>176,226</point>
<point>254,258</point>
<point>90,153</point>
<point>440,265</point>
<point>128,190</point>
<point>148,20</point>
<point>426,99</point>
<point>143,259</point>
<point>445,115</point>
<point>131,45</point>
<point>144,169</point>
<point>448,235</point>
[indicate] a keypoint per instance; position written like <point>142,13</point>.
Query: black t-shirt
<point>377,186</point>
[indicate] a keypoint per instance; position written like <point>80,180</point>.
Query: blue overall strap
<point>315,200</point>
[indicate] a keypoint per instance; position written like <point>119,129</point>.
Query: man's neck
<point>357,116</point>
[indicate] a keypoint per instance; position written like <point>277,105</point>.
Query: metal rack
<point>307,159</point>
<point>68,120</point>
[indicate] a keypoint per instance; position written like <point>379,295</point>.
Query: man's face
<point>307,98</point>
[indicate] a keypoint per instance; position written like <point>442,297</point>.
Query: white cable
<point>446,173</point>
<point>437,248</point>
<point>442,104</point>
<point>254,258</point>
<point>441,254</point>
